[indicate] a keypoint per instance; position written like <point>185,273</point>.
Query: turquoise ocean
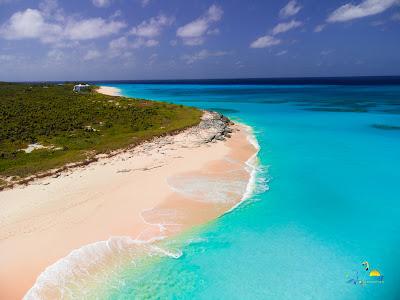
<point>326,199</point>
<point>327,196</point>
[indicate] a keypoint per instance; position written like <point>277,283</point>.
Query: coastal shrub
<point>72,124</point>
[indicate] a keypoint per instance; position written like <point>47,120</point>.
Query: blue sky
<point>170,39</point>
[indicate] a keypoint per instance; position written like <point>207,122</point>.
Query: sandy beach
<point>191,178</point>
<point>109,90</point>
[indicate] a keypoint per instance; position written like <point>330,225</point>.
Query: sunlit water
<point>327,199</point>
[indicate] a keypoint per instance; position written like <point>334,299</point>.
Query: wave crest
<point>84,272</point>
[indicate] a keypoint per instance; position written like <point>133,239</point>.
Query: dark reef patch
<point>338,109</point>
<point>386,127</point>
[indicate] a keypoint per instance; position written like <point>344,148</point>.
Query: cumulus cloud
<point>280,53</point>
<point>153,27</point>
<point>283,27</point>
<point>145,43</point>
<point>56,55</point>
<point>348,12</point>
<point>118,46</point>
<point>193,33</point>
<point>92,54</point>
<point>270,40</point>
<point>93,28</point>
<point>201,55</point>
<point>51,10</point>
<point>145,2</point>
<point>121,46</point>
<point>319,28</point>
<point>291,9</point>
<point>101,3</point>
<point>264,42</point>
<point>37,24</point>
<point>29,24</point>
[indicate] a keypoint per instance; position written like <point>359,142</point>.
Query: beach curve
<point>75,219</point>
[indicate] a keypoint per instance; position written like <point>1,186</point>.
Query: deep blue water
<point>331,154</point>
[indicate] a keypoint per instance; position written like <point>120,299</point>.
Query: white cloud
<point>152,27</point>
<point>396,17</point>
<point>214,31</point>
<point>145,2</point>
<point>193,33</point>
<point>291,9</point>
<point>56,55</point>
<point>148,43</point>
<point>101,3</point>
<point>120,43</point>
<point>280,53</point>
<point>121,46</point>
<point>116,14</point>
<point>118,46</point>
<point>201,55</point>
<point>264,42</point>
<point>51,10</point>
<point>327,52</point>
<point>319,28</point>
<point>6,57</point>
<point>37,24</point>
<point>366,8</point>
<point>283,27</point>
<point>92,54</point>
<point>29,24</point>
<point>87,29</point>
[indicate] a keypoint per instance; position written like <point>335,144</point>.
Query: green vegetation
<point>76,126</point>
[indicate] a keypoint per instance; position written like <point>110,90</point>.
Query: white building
<point>79,87</point>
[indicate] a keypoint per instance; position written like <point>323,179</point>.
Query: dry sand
<point>108,90</point>
<point>125,195</point>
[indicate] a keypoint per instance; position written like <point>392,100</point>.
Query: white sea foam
<point>255,184</point>
<point>73,276</point>
<point>207,188</point>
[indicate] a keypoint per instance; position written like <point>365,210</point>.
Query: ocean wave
<point>87,270</point>
<point>258,181</point>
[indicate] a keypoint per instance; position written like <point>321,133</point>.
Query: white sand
<point>44,221</point>
<point>110,91</point>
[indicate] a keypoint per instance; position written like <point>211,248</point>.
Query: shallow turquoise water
<point>333,199</point>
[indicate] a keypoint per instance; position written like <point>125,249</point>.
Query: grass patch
<point>76,125</point>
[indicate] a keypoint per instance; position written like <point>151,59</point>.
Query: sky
<point>192,39</point>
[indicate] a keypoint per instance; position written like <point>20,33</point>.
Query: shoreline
<point>10,183</point>
<point>78,208</point>
<point>109,91</point>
